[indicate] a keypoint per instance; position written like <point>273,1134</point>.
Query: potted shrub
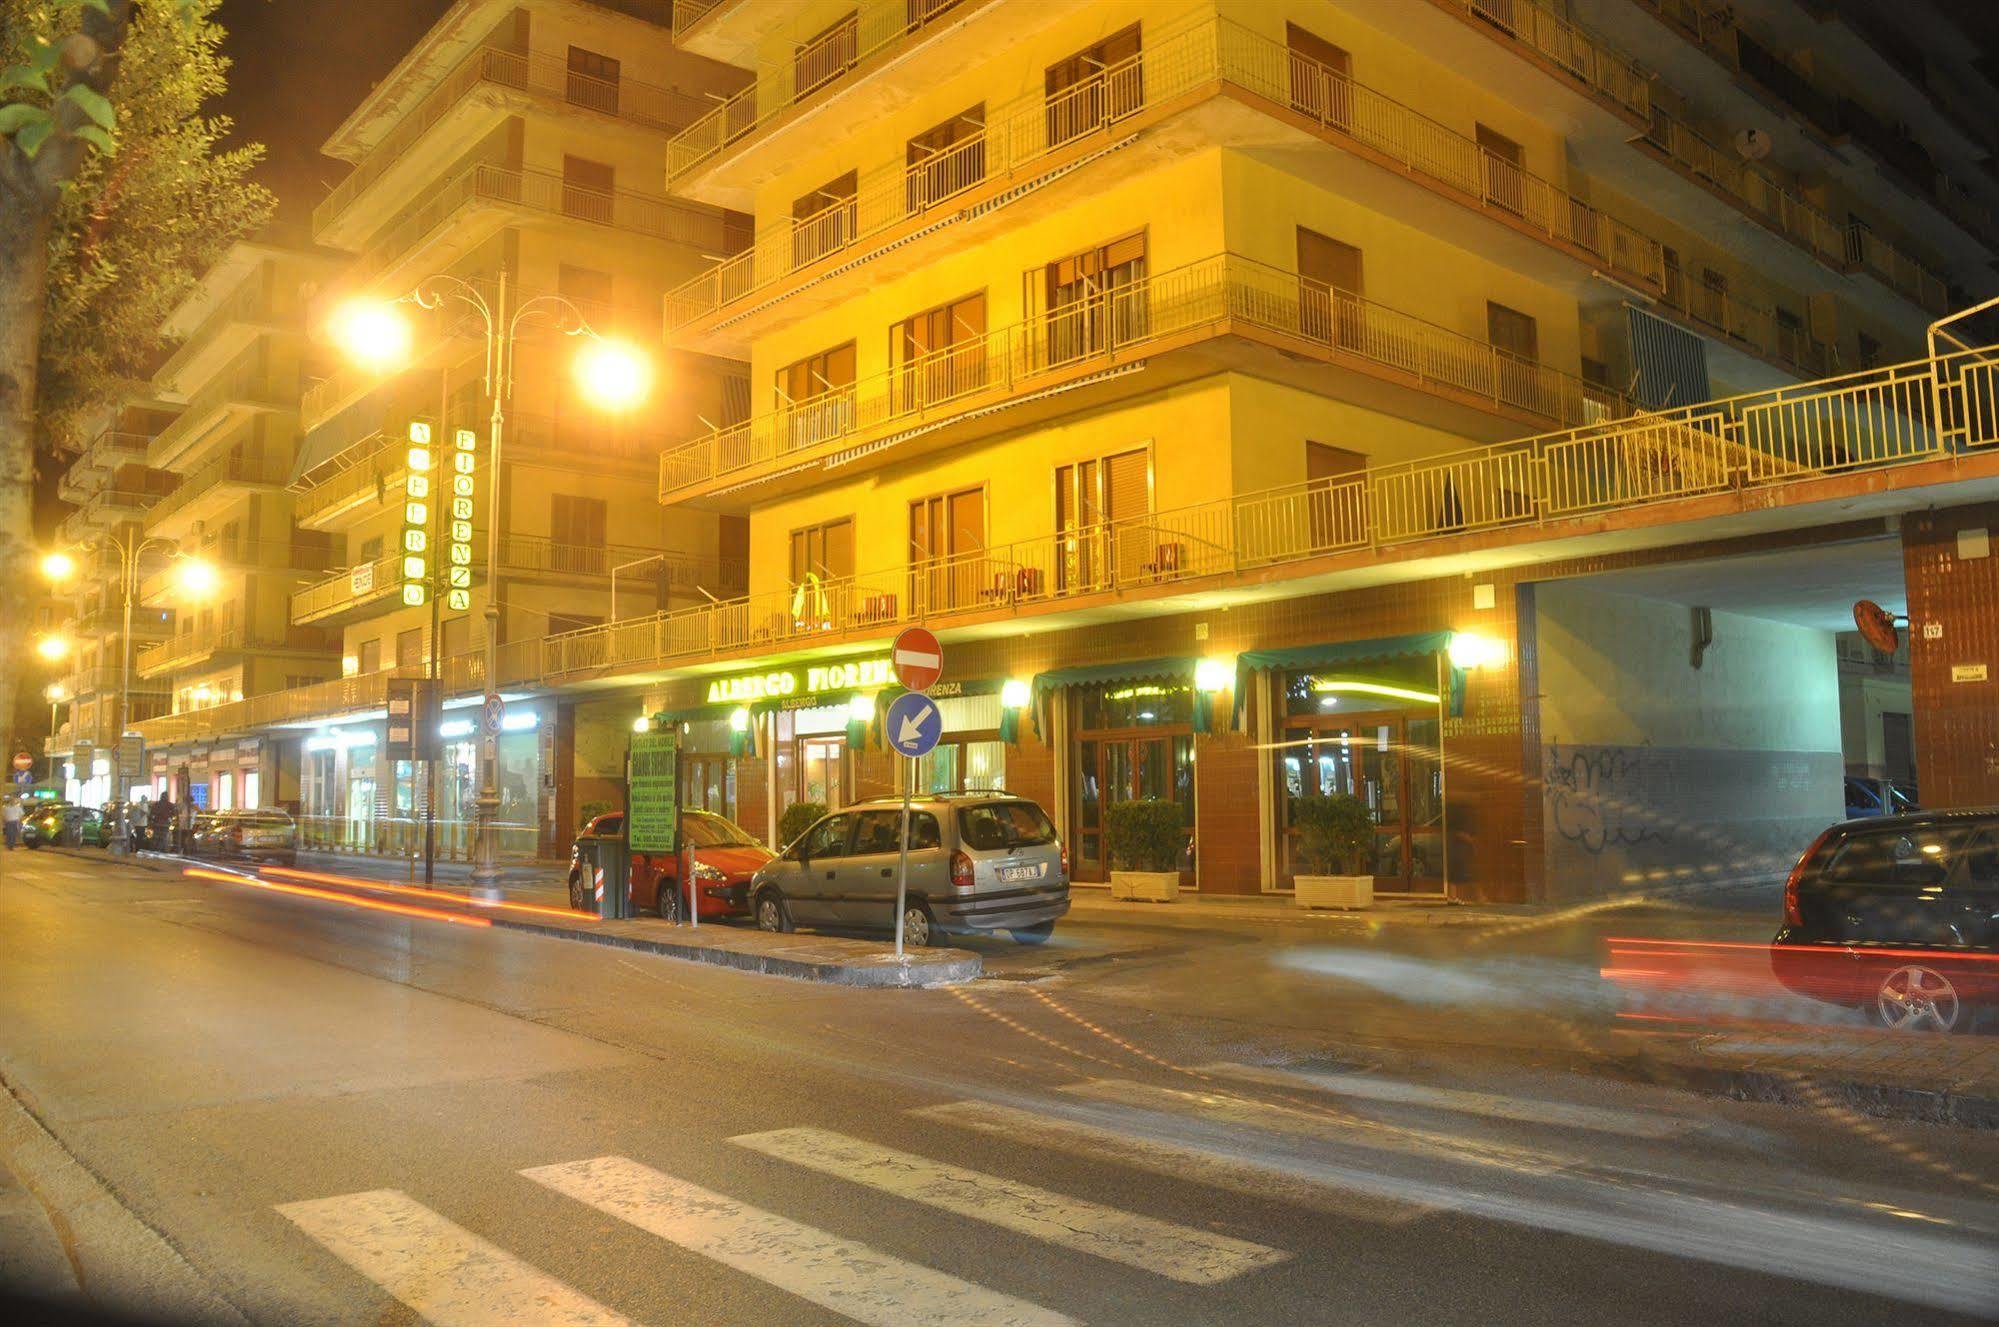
<point>797,818</point>
<point>1144,840</point>
<point>1334,845</point>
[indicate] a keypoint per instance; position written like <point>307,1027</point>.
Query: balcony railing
<point>352,588</point>
<point>192,647</point>
<point>1767,442</point>
<point>109,450</point>
<point>1869,253</point>
<point>1606,71</point>
<point>251,301</point>
<point>214,476</point>
<point>874,28</point>
<point>686,13</point>
<point>1748,324</point>
<point>537,73</point>
<point>1754,190</point>
<point>364,471</point>
<point>1037,127</point>
<point>246,384</point>
<point>1081,338</point>
<point>542,192</point>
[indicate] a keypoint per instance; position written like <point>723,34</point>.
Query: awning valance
<point>1293,658</point>
<point>362,420</point>
<point>1046,684</point>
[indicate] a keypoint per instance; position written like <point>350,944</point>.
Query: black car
<point>1898,916</point>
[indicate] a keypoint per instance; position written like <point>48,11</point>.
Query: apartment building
<point>1450,402</point>
<point>505,173</point>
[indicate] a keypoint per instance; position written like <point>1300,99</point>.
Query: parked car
<point>1878,797</point>
<point>1897,916</point>
<point>55,823</point>
<point>977,862</point>
<point>268,834</point>
<point>725,859</point>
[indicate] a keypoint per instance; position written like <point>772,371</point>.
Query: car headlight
<point>709,874</point>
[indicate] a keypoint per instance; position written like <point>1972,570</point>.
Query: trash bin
<point>609,860</point>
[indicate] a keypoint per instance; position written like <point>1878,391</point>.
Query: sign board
<point>913,724</point>
<point>1967,672</point>
<point>776,684</point>
<point>361,579</point>
<point>652,817</point>
<point>494,715</point>
<point>458,525</point>
<point>22,760</point>
<point>918,658</point>
<point>421,469</point>
<point>413,715</point>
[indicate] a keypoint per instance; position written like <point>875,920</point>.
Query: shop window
<point>947,540</point>
<point>1134,740</point>
<point>824,220</point>
<point>587,188</point>
<point>963,766</point>
<point>822,770</point>
<point>940,354</point>
<point>1096,300</point>
<point>945,159</point>
<point>1098,85</point>
<point>825,56</point>
<point>253,790</point>
<point>1321,77</point>
<point>593,80</point>
<point>816,395</point>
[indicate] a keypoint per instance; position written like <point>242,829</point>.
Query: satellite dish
<point>1877,626</point>
<point>1752,144</point>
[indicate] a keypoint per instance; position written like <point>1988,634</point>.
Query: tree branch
<point>89,59</point>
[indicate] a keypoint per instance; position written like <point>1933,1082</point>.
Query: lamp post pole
<point>129,553</point>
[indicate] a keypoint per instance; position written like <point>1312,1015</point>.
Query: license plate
<point>1012,873</point>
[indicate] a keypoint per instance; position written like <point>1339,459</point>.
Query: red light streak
<point>1955,955</point>
<point>354,882</point>
<point>304,891</point>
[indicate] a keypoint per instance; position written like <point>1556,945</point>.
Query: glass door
<point>1393,763</point>
<point>1114,768</point>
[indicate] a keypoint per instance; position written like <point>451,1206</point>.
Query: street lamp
<point>197,578</point>
<point>53,649</point>
<point>612,374</point>
<point>55,694</point>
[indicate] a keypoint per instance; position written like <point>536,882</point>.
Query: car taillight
<point>1792,915</point>
<point>1065,861</point>
<point>961,871</point>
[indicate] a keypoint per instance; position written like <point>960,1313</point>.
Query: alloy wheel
<point>915,927</point>
<point>1916,998</point>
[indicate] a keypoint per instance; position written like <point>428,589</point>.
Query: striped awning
<point>1670,363</point>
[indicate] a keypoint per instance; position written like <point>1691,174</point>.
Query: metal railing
<point>1765,442</point>
<point>1607,72</point>
<point>349,588</point>
<point>1868,252</point>
<point>246,383</point>
<point>538,73</point>
<point>1081,338</point>
<point>368,470</point>
<point>1754,189</point>
<point>193,646</point>
<point>212,476</point>
<point>870,30</point>
<point>686,13</point>
<point>1751,324</point>
<point>1029,129</point>
<point>404,836</point>
<point>250,301</point>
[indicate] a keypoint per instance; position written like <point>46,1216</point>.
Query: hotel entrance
<point>1133,740</point>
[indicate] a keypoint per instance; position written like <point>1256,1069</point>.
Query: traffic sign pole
<point>913,724</point>
<point>902,861</point>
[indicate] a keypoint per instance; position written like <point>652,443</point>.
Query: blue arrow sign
<point>913,724</point>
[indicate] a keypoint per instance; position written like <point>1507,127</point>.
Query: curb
<point>928,968</point>
<point>1800,1087</point>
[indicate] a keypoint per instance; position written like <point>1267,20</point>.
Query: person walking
<point>161,830</point>
<point>10,817</point>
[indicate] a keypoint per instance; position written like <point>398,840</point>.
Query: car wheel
<point>666,901</point>
<point>1917,999</point>
<point>772,915</point>
<point>576,898</point>
<point>1034,935</point>
<point>917,928</point>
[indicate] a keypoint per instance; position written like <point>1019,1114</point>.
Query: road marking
<point>1248,1112</point>
<point>1562,1114</point>
<point>842,1275</point>
<point>444,1272</point>
<point>1182,1253</point>
<point>1182,1161</point>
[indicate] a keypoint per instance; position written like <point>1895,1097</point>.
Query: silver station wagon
<point>977,862</point>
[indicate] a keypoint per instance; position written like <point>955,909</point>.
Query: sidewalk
<point>1098,905</point>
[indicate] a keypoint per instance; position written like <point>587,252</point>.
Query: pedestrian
<point>162,823</point>
<point>142,822</point>
<point>10,816</point>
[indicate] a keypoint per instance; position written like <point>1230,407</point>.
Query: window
<point>409,648</point>
<point>947,536</point>
<point>371,549</point>
<point>1329,286</point>
<point>1336,507</point>
<point>819,392</point>
<point>997,825</point>
<point>1870,351</point>
<point>881,832</point>
<point>823,552</point>
<point>1790,335</point>
<point>593,80</point>
<point>561,622</point>
<point>370,655</point>
<point>1092,499</point>
<point>941,354</point>
<point>828,838</point>
<point>1321,77</point>
<point>576,534</point>
<point>1917,857</point>
<point>253,790</point>
<point>1512,331</point>
<point>826,56</point>
<point>1675,279</point>
<point>1505,178</point>
<point>823,220</point>
<point>1096,299</point>
<point>1096,86</point>
<point>587,189</point>
<point>1714,298</point>
<point>946,158</point>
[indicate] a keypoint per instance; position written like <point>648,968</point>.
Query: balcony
<point>107,680</point>
<point>1575,54</point>
<point>1031,141</point>
<point>534,194</point>
<point>1223,296</point>
<point>1873,256</point>
<point>874,31</point>
<point>210,486</point>
<point>247,389</point>
<point>499,78</point>
<point>688,13</point>
<point>344,695</point>
<point>1744,325</point>
<point>346,595</point>
<point>108,619</point>
<point>226,331</point>
<point>106,453</point>
<point>1750,189</point>
<point>200,647</point>
<point>354,481</point>
<point>109,507</point>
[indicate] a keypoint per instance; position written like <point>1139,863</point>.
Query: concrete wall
<point>1654,772</point>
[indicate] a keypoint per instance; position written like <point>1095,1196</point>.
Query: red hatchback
<point>725,857</point>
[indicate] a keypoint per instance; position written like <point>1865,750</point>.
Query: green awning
<point>1046,684</point>
<point>1294,658</point>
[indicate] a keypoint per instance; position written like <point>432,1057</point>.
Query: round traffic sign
<point>917,658</point>
<point>913,724</point>
<point>22,760</point>
<point>495,715</point>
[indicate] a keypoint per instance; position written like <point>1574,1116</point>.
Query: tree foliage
<point>142,220</point>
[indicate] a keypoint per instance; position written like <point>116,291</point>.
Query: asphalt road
<point>347,1117</point>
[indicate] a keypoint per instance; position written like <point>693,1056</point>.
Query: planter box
<point>1335,891</point>
<point>1146,886</point>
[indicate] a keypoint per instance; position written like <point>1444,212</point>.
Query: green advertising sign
<point>654,809</point>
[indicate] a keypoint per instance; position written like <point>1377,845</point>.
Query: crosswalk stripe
<point>444,1272</point>
<point>842,1275</point>
<point>1366,1087</point>
<point>1248,1112</point>
<point>1181,1253</point>
<point>1182,1161</point>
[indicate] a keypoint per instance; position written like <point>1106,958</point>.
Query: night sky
<point>300,67</point>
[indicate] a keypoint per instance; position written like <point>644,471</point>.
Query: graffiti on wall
<point>1597,796</point>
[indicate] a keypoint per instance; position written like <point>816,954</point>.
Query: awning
<point>1046,684</point>
<point>362,420</point>
<point>1296,657</point>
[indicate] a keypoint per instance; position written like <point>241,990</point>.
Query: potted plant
<point>1144,840</point>
<point>797,818</point>
<point>1335,840</point>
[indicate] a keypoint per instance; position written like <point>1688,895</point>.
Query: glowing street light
<point>58,567</point>
<point>197,577</point>
<point>372,333</point>
<point>614,375</point>
<point>53,649</point>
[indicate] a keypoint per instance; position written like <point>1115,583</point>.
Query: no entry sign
<point>22,760</point>
<point>917,658</point>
